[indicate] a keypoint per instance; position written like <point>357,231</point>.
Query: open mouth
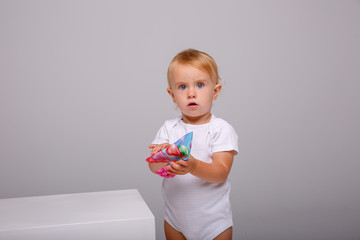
<point>192,104</point>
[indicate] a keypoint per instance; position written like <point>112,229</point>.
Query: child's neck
<point>197,120</point>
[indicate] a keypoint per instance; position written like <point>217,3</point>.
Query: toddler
<point>197,204</point>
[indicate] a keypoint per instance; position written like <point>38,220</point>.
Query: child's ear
<point>170,92</point>
<point>217,90</point>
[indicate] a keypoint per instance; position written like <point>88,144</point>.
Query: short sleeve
<point>162,135</point>
<point>224,138</point>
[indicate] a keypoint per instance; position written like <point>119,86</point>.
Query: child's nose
<point>191,93</point>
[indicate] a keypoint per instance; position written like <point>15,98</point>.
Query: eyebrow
<point>196,81</point>
<point>203,80</point>
<point>180,83</point>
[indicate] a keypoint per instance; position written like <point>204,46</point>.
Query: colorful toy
<point>174,153</point>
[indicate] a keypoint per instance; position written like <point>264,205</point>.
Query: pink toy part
<point>163,172</point>
<point>158,157</point>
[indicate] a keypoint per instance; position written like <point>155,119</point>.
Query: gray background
<point>83,93</point>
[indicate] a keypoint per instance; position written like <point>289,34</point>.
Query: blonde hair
<point>197,59</point>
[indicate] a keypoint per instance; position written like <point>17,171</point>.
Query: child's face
<point>193,91</point>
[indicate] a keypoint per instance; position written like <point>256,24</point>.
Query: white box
<point>105,215</point>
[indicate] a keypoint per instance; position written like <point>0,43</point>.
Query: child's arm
<point>157,148</point>
<point>215,172</point>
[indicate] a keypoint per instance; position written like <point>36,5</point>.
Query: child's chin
<point>191,114</point>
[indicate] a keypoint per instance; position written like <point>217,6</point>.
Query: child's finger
<point>173,168</point>
<point>164,146</point>
<point>155,150</point>
<point>170,167</point>
<point>174,165</point>
<point>177,169</point>
<point>184,163</point>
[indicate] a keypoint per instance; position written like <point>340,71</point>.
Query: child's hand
<point>183,167</point>
<point>158,147</point>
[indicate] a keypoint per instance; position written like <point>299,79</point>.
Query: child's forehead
<point>187,70</point>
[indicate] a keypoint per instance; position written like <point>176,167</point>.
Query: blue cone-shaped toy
<point>178,150</point>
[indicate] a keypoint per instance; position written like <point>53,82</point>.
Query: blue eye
<point>182,87</point>
<point>200,85</point>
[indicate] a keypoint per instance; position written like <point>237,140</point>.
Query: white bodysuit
<point>199,209</point>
